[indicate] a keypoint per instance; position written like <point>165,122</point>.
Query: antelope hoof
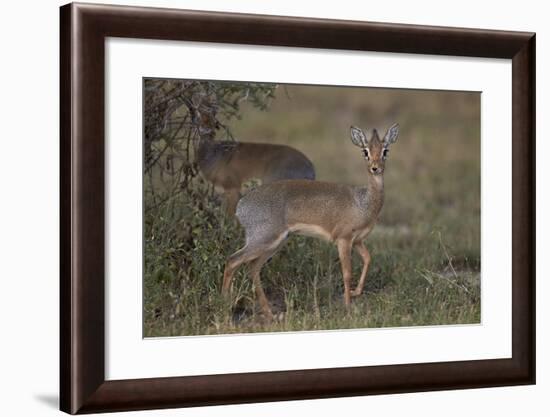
<point>266,312</point>
<point>357,292</point>
<point>347,305</point>
<point>268,316</point>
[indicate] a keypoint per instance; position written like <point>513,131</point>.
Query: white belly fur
<point>311,230</point>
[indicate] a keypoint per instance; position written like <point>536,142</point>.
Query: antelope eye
<point>366,153</point>
<point>385,153</point>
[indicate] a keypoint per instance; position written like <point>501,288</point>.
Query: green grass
<point>425,250</point>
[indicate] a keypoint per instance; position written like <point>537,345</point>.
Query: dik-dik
<point>228,165</point>
<point>340,213</point>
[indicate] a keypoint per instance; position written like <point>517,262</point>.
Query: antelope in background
<point>230,164</point>
<point>339,213</point>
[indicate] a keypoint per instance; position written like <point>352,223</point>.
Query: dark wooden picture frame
<point>84,29</point>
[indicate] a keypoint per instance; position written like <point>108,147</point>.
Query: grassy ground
<point>425,267</point>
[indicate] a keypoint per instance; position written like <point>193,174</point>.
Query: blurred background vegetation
<point>425,267</point>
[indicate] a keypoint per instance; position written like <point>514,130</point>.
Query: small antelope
<point>339,213</point>
<point>228,165</point>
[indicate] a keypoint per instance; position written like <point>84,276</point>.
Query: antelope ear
<point>391,134</point>
<point>358,137</point>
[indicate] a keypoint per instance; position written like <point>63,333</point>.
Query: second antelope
<point>228,165</point>
<point>339,213</point>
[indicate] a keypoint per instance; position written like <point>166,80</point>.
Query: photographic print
<point>279,207</point>
<point>264,202</point>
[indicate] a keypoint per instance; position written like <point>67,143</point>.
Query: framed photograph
<point>264,208</point>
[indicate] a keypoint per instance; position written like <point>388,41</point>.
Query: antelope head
<point>375,150</point>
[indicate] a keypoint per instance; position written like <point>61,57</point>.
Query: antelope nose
<point>374,169</point>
